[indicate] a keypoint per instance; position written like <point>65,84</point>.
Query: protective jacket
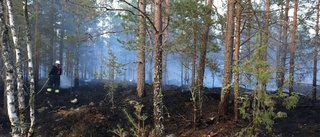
<point>56,70</point>
<point>54,76</point>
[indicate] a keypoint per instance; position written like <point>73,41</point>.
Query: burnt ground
<point>94,116</point>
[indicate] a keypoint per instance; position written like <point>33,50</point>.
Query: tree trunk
<point>265,37</point>
<point>164,66</point>
<point>166,38</point>
<point>62,34</point>
<point>181,72</point>
<point>204,44</point>
<point>284,46</point>
<point>151,56</point>
<point>279,51</point>
<point>17,46</point>
<point>141,50</point>
<point>30,71</point>
<point>51,38</point>
<point>249,50</point>
<point>76,69</point>
<point>194,85</point>
<point>35,48</point>
<point>77,54</point>
<point>236,60</point>
<point>315,58</point>
<point>9,90</point>
<point>293,43</point>
<point>194,55</point>
<point>157,98</point>
<point>203,53</point>
<point>227,72</point>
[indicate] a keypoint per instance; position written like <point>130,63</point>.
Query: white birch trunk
<point>12,112</point>
<point>21,99</point>
<point>30,70</point>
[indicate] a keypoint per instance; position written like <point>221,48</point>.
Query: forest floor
<point>94,116</point>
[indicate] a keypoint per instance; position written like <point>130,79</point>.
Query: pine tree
<point>315,58</point>
<point>228,51</point>
<point>141,49</point>
<point>157,89</point>
<point>236,59</point>
<point>293,44</point>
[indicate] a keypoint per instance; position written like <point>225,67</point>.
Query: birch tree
<point>9,90</point>
<point>30,71</point>
<point>18,66</point>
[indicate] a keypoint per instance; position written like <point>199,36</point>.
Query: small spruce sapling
<point>138,120</point>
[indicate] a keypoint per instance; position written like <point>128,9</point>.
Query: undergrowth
<point>137,121</point>
<point>260,108</point>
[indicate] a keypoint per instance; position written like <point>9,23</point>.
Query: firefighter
<point>54,77</point>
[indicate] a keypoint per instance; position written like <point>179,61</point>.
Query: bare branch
<point>101,7</point>
<point>144,14</point>
<point>91,36</point>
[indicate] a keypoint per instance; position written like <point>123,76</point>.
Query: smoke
<point>65,82</point>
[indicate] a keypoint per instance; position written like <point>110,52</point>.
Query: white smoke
<point>65,82</point>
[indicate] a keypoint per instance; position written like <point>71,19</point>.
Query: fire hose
<point>43,85</point>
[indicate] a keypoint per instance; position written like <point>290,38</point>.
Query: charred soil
<point>94,114</point>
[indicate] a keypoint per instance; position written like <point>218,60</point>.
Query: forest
<point>160,68</point>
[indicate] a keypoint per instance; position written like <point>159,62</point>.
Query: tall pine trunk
<point>35,46</point>
<point>165,40</point>
<point>194,52</point>
<point>51,32</point>
<point>62,34</point>
<point>278,50</point>
<point>284,46</point>
<point>293,44</point>
<point>315,58</point>
<point>228,51</point>
<point>236,60</point>
<point>141,50</point>
<point>194,66</point>
<point>158,96</point>
<point>203,53</point>
<point>77,54</point>
<point>265,37</point>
